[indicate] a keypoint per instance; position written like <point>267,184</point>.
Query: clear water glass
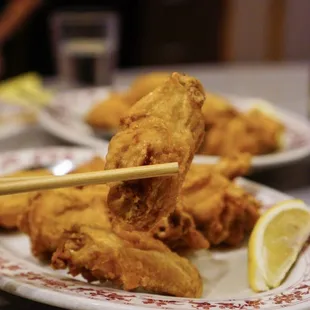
<point>85,47</point>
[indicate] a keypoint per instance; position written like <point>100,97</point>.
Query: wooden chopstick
<point>80,179</point>
<point>18,179</point>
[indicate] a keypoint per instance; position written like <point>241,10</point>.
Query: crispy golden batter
<point>268,130</point>
<point>164,126</point>
<point>51,212</point>
<point>229,131</point>
<point>95,164</point>
<point>217,109</point>
<point>253,132</point>
<point>30,173</point>
<point>230,167</point>
<point>11,206</point>
<point>144,84</point>
<point>224,212</point>
<point>129,260</point>
<point>178,231</point>
<point>107,113</point>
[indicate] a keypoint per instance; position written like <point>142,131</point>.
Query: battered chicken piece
<point>145,84</point>
<point>230,167</point>
<point>222,211</point>
<point>11,206</point>
<point>268,130</point>
<point>178,231</point>
<point>129,260</point>
<point>29,173</point>
<point>164,126</point>
<point>106,114</point>
<point>51,212</point>
<point>230,137</point>
<point>95,164</point>
<point>253,132</point>
<point>217,109</point>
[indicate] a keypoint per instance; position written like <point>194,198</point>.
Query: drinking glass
<point>85,46</point>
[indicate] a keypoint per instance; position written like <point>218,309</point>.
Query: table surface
<point>285,85</point>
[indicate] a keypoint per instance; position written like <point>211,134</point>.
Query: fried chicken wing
<point>230,131</point>
<point>51,212</point>
<point>268,130</point>
<point>222,211</point>
<point>29,173</point>
<point>143,85</point>
<point>253,132</point>
<point>178,231</point>
<point>228,137</point>
<point>107,113</point>
<point>164,126</point>
<point>95,164</point>
<point>217,109</point>
<point>11,206</point>
<point>231,167</point>
<point>130,260</point>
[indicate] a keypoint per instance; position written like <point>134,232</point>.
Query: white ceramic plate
<point>23,275</point>
<point>64,119</point>
<point>11,126</point>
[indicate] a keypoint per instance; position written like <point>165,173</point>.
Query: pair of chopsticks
<point>15,185</point>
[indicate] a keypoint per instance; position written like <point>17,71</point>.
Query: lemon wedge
<point>275,243</point>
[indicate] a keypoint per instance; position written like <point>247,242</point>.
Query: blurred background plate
<point>64,118</point>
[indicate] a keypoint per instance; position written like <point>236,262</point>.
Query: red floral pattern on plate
<point>16,272</point>
<point>21,272</point>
